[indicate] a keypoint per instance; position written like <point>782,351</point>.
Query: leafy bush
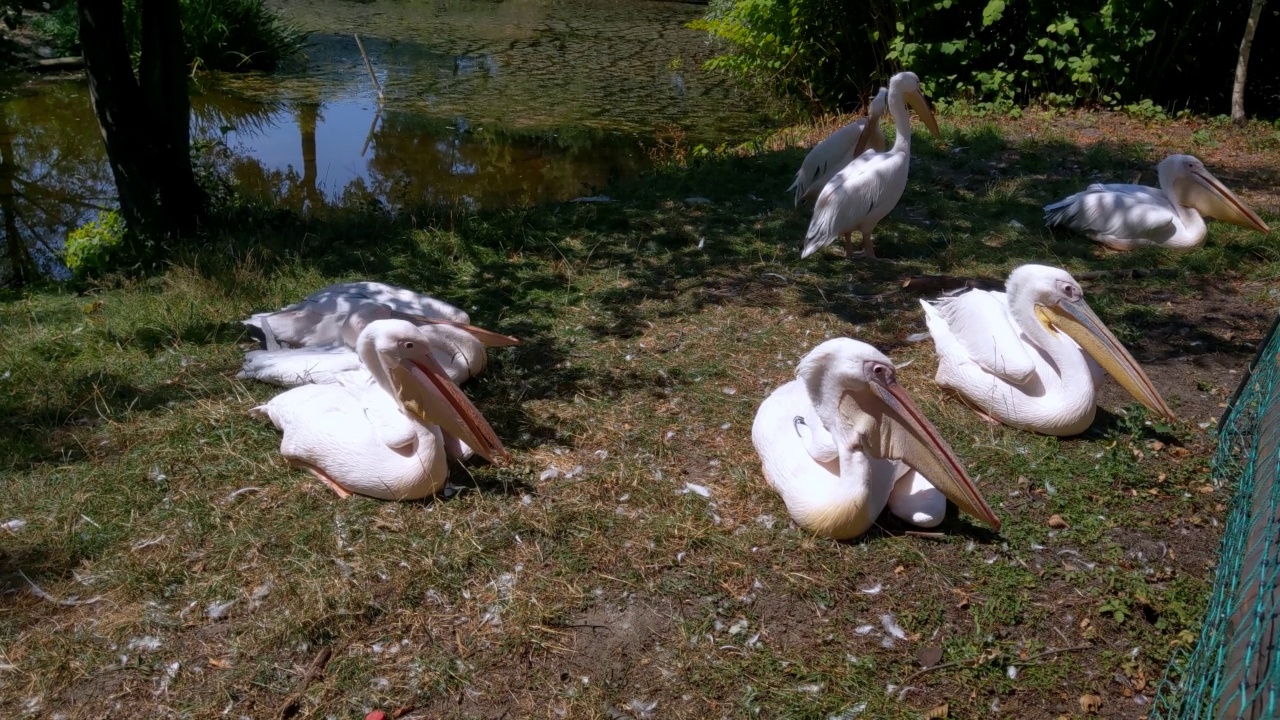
<point>220,34</point>
<point>997,53</point>
<point>95,246</point>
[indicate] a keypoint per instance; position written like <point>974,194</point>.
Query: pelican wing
<point>388,423</point>
<point>981,325</point>
<point>1114,211</point>
<point>343,297</point>
<point>292,367</point>
<point>827,158</point>
<point>848,198</point>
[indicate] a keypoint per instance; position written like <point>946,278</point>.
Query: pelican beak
<point>1076,319</point>
<point>917,102</point>
<point>903,433</point>
<point>424,390</point>
<point>864,137</point>
<point>1205,193</point>
<point>487,337</point>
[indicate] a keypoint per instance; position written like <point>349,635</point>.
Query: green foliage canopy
<point>995,53</point>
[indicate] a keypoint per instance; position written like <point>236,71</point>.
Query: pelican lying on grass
<point>383,439</point>
<point>459,349</point>
<point>843,439</point>
<point>861,194</point>
<point>1012,354</point>
<point>318,319</point>
<point>1124,217</point>
<point>839,148</point>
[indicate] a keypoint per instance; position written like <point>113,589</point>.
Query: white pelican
<point>1124,217</point>
<point>831,155</point>
<point>862,193</point>
<point>319,317</point>
<point>844,439</point>
<point>1012,354</point>
<point>459,349</point>
<point>382,439</point>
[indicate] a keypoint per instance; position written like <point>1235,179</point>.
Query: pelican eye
<point>882,373</point>
<point>408,345</point>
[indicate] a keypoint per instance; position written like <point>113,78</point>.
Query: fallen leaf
<point>1056,522</point>
<point>1205,489</point>
<point>1179,451</point>
<point>938,712</point>
<point>899,570</point>
<point>1157,446</point>
<point>218,663</point>
<point>929,656</point>
<point>402,710</point>
<point>1161,477</point>
<point>1090,703</point>
<point>1084,623</point>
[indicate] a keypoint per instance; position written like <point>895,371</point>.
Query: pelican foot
<point>334,486</point>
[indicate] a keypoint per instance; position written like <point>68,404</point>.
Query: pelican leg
<point>917,501</point>
<point>334,486</point>
<point>848,244</point>
<point>868,250</point>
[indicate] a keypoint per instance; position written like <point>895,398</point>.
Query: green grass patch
<point>652,329</point>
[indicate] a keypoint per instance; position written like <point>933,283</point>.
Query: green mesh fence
<point>1234,671</point>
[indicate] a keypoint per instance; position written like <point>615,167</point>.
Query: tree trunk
<point>163,80</point>
<point>146,120</point>
<point>1242,67</point>
<point>117,102</point>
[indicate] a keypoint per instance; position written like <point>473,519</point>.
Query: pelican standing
<point>382,439</point>
<point>844,439</point>
<point>831,155</point>
<point>318,318</point>
<point>1124,217</point>
<point>861,194</point>
<point>459,349</point>
<point>1015,356</point>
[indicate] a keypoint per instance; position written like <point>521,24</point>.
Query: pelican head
<point>908,84</point>
<point>879,418</point>
<point>1059,305</point>
<point>1187,181</point>
<point>422,387</point>
<point>876,110</point>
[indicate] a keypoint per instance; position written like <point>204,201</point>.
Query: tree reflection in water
<point>53,176</point>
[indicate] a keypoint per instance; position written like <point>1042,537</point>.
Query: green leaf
<point>992,12</point>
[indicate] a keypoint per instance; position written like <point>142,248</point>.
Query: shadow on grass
<point>660,251</point>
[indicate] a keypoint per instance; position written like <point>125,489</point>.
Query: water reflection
<point>486,104</point>
<point>53,175</point>
<point>310,155</point>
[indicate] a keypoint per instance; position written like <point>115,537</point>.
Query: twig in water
<point>368,66</point>
<point>290,706</point>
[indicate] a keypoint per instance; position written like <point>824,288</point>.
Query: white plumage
<point>1023,357</point>
<point>382,433</point>
<point>840,442</point>
<point>318,318</point>
<point>1124,217</point>
<point>838,149</point>
<point>869,187</point>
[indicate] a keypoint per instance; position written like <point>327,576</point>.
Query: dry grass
<point>632,554</point>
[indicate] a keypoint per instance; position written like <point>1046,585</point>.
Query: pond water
<point>482,104</point>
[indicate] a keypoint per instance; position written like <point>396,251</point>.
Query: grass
<point>586,580</point>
